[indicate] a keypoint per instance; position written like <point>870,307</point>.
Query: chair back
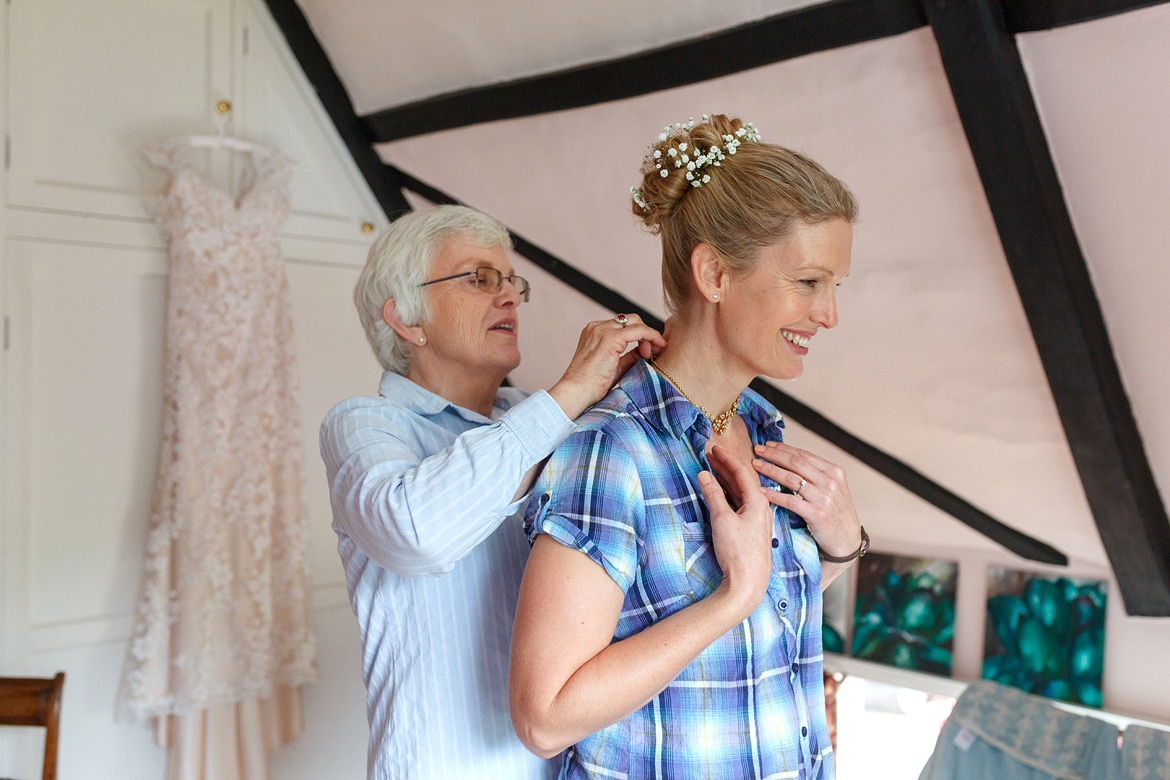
<point>34,701</point>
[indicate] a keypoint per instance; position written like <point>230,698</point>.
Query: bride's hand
<point>820,495</point>
<point>742,536</point>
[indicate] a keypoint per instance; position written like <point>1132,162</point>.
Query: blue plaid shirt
<point>623,489</point>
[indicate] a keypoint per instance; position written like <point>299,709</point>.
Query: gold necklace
<point>720,422</point>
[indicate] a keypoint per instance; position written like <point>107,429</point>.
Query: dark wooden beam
<point>882,462</point>
<point>817,28</point>
<point>333,96</point>
<point>802,31</point>
<point>1032,15</point>
<point>1011,153</point>
<point>911,479</point>
<point>822,27</point>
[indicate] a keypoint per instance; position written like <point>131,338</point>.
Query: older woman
<point>428,479</point>
<point>655,638</point>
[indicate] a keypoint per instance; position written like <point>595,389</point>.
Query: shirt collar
<point>664,407</point>
<point>762,416</point>
<point>423,402</point>
<point>660,403</point>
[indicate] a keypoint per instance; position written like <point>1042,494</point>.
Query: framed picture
<point>1045,635</point>
<point>904,612</point>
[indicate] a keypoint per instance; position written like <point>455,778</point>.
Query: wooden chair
<point>34,701</point>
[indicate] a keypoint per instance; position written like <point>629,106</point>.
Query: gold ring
<point>622,320</point>
<point>799,488</point>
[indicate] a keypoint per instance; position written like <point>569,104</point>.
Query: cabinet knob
<point>223,107</point>
<point>367,228</point>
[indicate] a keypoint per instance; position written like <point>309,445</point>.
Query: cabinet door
<point>84,411</point>
<point>90,82</point>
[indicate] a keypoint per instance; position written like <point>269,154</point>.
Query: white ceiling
<point>933,360</point>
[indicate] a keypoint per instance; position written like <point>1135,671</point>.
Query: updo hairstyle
<point>752,198</point>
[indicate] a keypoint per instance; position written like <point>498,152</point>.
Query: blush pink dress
<point>221,642</point>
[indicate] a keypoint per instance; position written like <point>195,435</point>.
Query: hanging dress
<point>221,643</point>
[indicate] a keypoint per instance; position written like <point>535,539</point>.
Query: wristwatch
<point>858,553</point>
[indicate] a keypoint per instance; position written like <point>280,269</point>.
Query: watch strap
<point>861,550</point>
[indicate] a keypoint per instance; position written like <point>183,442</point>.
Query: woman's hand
<point>820,495</point>
<point>742,537</point>
<point>603,355</point>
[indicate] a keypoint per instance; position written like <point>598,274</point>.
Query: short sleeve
<point>589,498</point>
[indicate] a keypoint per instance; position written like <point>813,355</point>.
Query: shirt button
<point>775,542</point>
<point>804,731</point>
<point>796,668</point>
<point>782,604</point>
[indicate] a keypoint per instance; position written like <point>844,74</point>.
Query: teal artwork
<point>1045,635</point>
<point>905,612</point>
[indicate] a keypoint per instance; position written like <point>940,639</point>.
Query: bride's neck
<point>695,364</point>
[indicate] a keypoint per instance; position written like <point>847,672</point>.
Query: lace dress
<point>221,642</point>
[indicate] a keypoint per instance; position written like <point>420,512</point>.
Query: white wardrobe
<point>82,276</point>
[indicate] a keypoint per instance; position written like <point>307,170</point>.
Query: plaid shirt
<point>623,489</point>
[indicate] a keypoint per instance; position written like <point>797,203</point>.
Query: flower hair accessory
<point>694,160</point>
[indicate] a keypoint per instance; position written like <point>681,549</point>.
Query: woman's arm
<point>567,680</point>
<point>418,513</point>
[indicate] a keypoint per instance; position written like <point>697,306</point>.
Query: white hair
<point>399,262</point>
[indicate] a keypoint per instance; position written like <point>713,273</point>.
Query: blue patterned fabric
<point>1001,732</point>
<point>623,488</point>
<point>1145,753</point>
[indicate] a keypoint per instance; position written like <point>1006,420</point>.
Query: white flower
<point>714,156</point>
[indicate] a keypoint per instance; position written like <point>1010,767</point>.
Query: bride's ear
<point>708,272</point>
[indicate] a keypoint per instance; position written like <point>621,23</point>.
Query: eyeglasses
<point>490,280</point>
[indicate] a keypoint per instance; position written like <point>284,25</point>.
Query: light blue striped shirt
<point>433,549</point>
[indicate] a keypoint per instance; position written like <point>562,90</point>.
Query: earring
<point>422,339</point>
<point>715,297</point>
